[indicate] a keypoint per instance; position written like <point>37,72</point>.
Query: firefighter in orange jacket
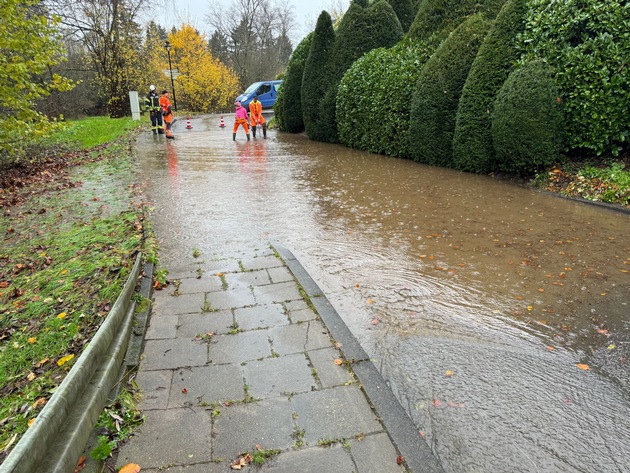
<point>167,112</point>
<point>256,116</point>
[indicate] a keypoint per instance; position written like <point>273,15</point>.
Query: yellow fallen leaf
<point>40,402</point>
<point>64,271</point>
<point>32,421</point>
<point>529,307</point>
<point>130,468</point>
<point>611,346</point>
<point>32,340</point>
<point>62,315</point>
<point>63,360</point>
<point>449,373</point>
<point>584,367</point>
<point>31,376</point>
<point>337,361</point>
<point>370,301</point>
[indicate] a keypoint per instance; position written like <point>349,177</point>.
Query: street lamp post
<point>168,50</point>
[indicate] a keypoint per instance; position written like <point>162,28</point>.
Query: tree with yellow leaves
<point>204,83</point>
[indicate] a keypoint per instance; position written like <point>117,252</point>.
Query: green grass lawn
<point>67,248</point>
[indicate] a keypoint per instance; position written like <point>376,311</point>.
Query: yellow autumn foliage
<point>204,83</point>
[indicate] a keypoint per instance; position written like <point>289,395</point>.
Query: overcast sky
<point>170,13</point>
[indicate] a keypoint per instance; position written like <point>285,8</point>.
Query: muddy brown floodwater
<point>499,315</point>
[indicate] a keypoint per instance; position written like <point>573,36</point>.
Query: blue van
<point>267,92</point>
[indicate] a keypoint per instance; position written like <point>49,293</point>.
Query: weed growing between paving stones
<point>298,435</point>
<point>69,244</point>
<point>261,455</point>
<point>115,424</point>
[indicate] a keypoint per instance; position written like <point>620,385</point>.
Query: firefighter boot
<point>254,131</point>
<point>233,136</point>
<point>265,130</point>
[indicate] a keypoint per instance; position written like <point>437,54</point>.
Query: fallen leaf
<point>43,361</point>
<point>454,404</point>
<point>62,315</point>
<point>449,373</point>
<point>357,285</point>
<point>31,376</point>
<point>64,359</point>
<point>337,361</point>
<point>338,345</point>
<point>422,434</point>
<point>32,340</point>
<point>32,421</point>
<point>130,468</point>
<point>584,367</point>
<point>80,464</point>
<point>184,391</point>
<point>40,402</point>
<point>370,301</point>
<point>241,461</point>
<point>436,403</point>
<point>400,460</point>
<point>611,346</point>
<point>550,348</point>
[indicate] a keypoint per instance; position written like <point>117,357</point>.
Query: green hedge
<point>405,11</point>
<point>288,106</point>
<point>373,102</point>
<point>527,120</point>
<point>587,44</point>
<point>437,93</point>
<point>472,141</point>
<point>317,75</point>
<point>360,31</point>
<point>440,17</point>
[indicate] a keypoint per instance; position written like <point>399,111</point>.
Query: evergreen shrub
<point>317,75</point>
<point>288,106</point>
<point>360,31</point>
<point>527,120</point>
<point>374,98</point>
<point>587,44</point>
<point>405,11</point>
<point>472,141</point>
<point>438,90</point>
<point>440,17</point>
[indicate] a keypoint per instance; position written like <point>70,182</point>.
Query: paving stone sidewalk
<point>238,360</point>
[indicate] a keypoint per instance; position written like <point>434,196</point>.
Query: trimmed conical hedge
<point>438,90</point>
<point>527,120</point>
<point>405,11</point>
<point>360,31</point>
<point>472,141</point>
<point>288,106</point>
<point>317,75</point>
<point>440,17</point>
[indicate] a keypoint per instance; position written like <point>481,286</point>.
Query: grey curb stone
<point>402,431</point>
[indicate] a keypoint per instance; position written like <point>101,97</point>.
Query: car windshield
<point>252,87</point>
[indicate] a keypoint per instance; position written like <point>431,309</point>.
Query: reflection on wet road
<point>477,299</point>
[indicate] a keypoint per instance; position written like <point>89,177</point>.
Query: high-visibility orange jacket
<point>255,113</point>
<point>165,104</point>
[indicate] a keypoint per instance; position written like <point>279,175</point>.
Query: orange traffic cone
<point>188,125</point>
<point>222,125</point>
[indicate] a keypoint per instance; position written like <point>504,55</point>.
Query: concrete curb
<point>402,431</point>
<point>57,438</point>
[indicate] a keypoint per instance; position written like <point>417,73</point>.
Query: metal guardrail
<point>58,437</point>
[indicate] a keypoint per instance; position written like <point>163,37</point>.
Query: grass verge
<point>69,240</point>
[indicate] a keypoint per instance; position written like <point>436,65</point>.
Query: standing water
<point>499,315</point>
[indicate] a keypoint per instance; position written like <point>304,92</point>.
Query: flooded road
<point>499,315</point>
